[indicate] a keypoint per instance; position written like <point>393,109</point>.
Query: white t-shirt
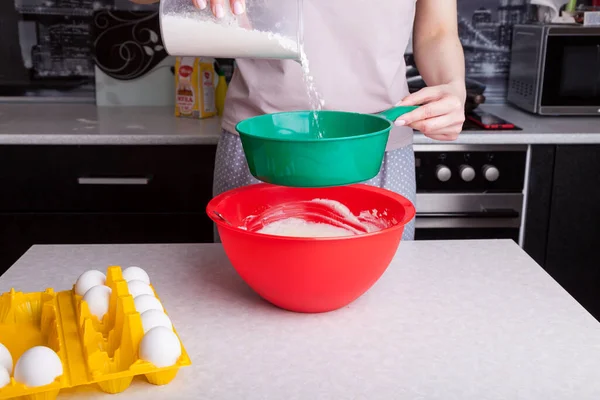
<point>356,52</point>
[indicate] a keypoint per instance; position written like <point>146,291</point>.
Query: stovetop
<point>472,126</point>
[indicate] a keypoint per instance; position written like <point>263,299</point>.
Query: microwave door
<point>571,83</point>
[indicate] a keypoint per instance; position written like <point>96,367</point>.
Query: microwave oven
<point>555,69</point>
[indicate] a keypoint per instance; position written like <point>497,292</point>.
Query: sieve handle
<point>395,112</point>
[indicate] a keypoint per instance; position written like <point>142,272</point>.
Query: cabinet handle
<point>113,181</point>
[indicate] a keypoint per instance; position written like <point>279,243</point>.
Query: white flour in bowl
<point>297,227</point>
<point>189,35</point>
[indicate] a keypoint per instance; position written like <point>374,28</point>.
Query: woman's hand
<point>237,6</point>
<point>442,111</point>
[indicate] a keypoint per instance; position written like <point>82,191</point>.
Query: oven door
<point>445,216</point>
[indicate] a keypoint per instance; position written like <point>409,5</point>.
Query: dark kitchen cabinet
<point>103,195</point>
<point>563,218</point>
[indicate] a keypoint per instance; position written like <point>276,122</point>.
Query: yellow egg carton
<point>92,351</point>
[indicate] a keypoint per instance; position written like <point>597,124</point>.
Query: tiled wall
<point>49,44</point>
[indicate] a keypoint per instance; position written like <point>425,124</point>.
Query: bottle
<point>221,92</point>
<point>195,81</point>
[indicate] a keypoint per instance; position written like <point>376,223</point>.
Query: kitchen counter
<point>535,129</point>
<point>448,320</point>
<point>81,124</point>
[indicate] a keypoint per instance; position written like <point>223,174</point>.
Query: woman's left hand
<point>441,114</point>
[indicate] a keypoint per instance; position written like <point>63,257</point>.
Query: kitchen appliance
<point>469,191</point>
<point>309,274</point>
<point>555,69</point>
<point>317,149</point>
<point>487,121</point>
<point>481,121</point>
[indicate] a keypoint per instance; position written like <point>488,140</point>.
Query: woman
<point>356,52</point>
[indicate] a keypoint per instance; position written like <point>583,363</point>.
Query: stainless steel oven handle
<point>113,181</point>
<point>466,223</point>
<point>492,213</point>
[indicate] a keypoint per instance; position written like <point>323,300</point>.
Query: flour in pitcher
<point>187,34</point>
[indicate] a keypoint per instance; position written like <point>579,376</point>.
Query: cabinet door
<point>18,232</point>
<point>539,190</point>
<point>108,179</point>
<point>574,224</point>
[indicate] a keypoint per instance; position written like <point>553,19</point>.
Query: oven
<point>469,191</point>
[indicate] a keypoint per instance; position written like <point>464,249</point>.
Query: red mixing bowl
<point>309,274</point>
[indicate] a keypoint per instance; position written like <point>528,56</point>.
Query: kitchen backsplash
<point>485,29</point>
<point>53,39</point>
<point>48,43</point>
<point>83,50</point>
<point>132,65</point>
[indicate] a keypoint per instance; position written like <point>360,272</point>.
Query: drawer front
<point>106,178</point>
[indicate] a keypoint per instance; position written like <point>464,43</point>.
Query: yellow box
<point>195,83</point>
<point>92,351</point>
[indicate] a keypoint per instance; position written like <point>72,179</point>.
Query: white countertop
<point>82,124</point>
<point>448,320</point>
<point>536,129</point>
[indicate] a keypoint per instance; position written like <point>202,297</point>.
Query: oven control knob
<point>491,173</point>
<point>467,173</point>
<point>443,173</point>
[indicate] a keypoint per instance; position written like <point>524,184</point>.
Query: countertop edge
<point>109,140</point>
<point>515,138</point>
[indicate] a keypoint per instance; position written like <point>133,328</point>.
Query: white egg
<point>6,360</point>
<point>136,274</point>
<point>4,377</point>
<point>147,302</point>
<point>98,299</point>
<point>161,347</point>
<point>88,280</point>
<point>38,366</point>
<point>153,318</point>
<point>137,288</point>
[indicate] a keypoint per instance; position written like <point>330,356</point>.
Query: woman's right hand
<point>237,6</point>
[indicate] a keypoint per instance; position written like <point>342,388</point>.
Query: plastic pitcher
<point>268,29</point>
